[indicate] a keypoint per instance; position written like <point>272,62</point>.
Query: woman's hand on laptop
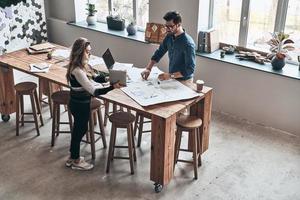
<point>117,85</point>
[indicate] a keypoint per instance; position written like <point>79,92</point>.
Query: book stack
<point>155,33</point>
<point>208,41</point>
<point>40,48</point>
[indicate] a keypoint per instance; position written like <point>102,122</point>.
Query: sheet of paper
<point>93,61</point>
<point>122,66</point>
<point>39,67</point>
<point>153,91</point>
<point>61,53</point>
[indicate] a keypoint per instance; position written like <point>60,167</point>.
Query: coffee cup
<point>200,84</point>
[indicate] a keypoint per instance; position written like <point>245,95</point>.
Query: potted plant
<point>115,22</point>
<point>280,44</point>
<point>131,27</point>
<point>91,18</point>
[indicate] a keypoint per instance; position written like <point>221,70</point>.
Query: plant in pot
<point>115,21</point>
<point>280,45</point>
<point>91,18</point>
<point>131,27</point>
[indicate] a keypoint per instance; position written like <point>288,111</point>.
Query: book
<point>43,46</point>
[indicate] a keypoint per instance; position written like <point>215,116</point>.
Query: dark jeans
<point>81,115</point>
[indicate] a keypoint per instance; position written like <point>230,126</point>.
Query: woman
<point>84,85</point>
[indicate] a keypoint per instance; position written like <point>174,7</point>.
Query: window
<point>227,14</point>
<point>249,23</point>
<point>137,10</point>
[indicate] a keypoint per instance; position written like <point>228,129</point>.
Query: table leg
<point>162,150</point>
<point>7,93</point>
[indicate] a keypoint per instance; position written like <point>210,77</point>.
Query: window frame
<point>280,19</point>
<point>279,23</point>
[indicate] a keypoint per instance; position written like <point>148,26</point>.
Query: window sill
<point>102,27</point>
<point>289,70</point>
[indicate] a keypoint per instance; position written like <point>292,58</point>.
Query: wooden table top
<point>20,60</point>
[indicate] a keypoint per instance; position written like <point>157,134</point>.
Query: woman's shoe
<point>70,161</point>
<point>82,165</point>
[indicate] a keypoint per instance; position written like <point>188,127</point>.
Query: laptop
<point>114,75</point>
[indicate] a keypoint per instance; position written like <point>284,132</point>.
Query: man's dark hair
<point>173,15</point>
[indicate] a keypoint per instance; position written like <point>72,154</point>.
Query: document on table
<point>39,67</point>
<point>153,91</point>
<point>61,53</point>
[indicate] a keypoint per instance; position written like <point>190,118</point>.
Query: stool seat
<point>122,118</point>
<point>61,97</point>
<point>95,104</point>
<point>25,87</point>
<point>189,122</point>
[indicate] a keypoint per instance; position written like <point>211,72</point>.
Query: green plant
<point>91,9</point>
<point>280,45</point>
<point>8,3</point>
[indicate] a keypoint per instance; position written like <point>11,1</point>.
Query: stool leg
<point>38,105</point>
<point>141,126</point>
<point>178,138</point>
<point>49,98</point>
<point>54,124</point>
<point>111,146</point>
<point>133,145</point>
<point>34,113</point>
<point>92,137</point>
<point>195,153</point>
<point>17,113</point>
<point>102,130</point>
<point>22,110</point>
<point>57,119</point>
<point>114,144</point>
<point>130,149</point>
<point>137,117</point>
<point>199,146</point>
<point>106,111</point>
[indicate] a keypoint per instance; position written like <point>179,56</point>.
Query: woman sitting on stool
<point>84,85</point>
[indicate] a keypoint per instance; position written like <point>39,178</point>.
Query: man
<point>181,51</point>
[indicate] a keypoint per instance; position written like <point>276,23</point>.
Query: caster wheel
<point>158,187</point>
<point>5,118</point>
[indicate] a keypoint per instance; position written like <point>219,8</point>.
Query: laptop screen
<point>108,59</point>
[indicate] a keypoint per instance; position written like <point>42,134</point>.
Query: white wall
<point>260,97</point>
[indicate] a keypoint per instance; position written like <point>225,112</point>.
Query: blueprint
<point>152,91</point>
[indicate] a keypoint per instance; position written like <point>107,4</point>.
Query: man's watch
<point>172,76</point>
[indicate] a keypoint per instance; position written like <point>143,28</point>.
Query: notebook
<point>114,75</point>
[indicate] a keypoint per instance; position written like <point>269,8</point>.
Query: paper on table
<point>96,61</point>
<point>61,53</point>
<point>39,67</point>
<point>122,66</point>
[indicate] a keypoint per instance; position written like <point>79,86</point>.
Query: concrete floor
<point>244,161</point>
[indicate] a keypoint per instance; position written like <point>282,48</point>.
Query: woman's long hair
<point>76,55</point>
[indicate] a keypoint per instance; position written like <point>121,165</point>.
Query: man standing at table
<point>181,51</point>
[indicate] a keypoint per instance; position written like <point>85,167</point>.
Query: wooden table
<point>163,115</point>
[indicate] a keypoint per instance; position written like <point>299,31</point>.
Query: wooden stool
<point>192,125</point>
<point>60,98</point>
<point>95,111</point>
<point>27,88</point>
<point>115,109</point>
<point>121,120</point>
<point>139,125</point>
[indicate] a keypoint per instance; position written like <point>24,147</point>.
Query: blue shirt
<point>181,52</point>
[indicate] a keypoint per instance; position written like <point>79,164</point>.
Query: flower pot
<point>91,19</point>
<point>131,29</point>
<point>277,63</point>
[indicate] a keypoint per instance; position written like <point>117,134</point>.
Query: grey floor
<point>244,161</point>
